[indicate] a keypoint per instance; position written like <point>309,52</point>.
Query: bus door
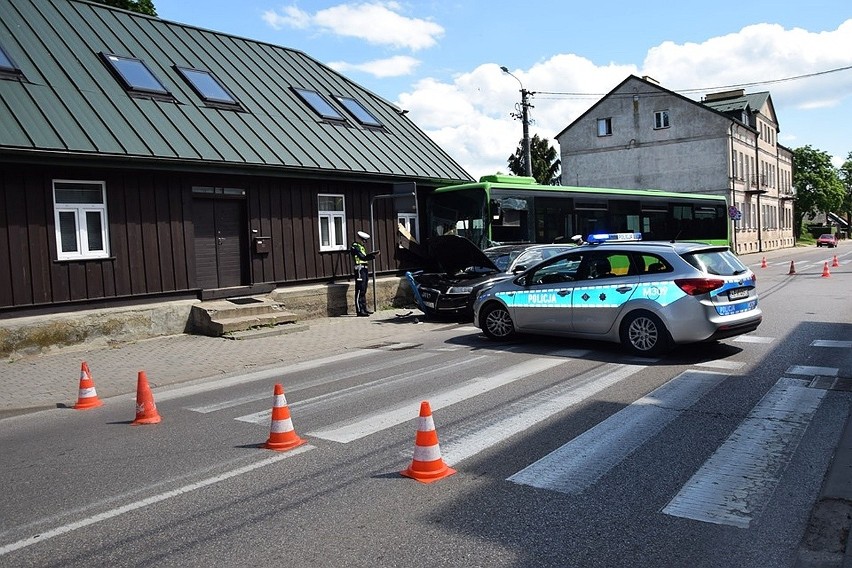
<point>553,219</point>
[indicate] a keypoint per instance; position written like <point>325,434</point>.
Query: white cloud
<point>469,116</point>
<point>397,66</point>
<point>378,23</point>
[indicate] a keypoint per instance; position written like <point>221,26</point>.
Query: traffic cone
<point>792,268</point>
<point>282,436</point>
<point>825,272</point>
<point>146,410</point>
<point>427,465</point>
<point>87,397</point>
<point>763,262</point>
<point>835,263</point>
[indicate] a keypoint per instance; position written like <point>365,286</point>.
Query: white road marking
<point>577,465</point>
<point>345,432</point>
<point>207,385</point>
<point>753,339</point>
<point>379,384</point>
<point>527,413</point>
<point>735,484</point>
<point>812,371</point>
<point>112,513</point>
<point>831,343</point>
<point>722,364</point>
<point>366,369</point>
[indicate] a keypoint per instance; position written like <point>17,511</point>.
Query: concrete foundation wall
<point>37,334</point>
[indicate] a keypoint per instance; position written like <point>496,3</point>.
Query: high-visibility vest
<point>358,251</point>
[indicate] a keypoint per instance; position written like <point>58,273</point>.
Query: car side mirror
<point>519,268</point>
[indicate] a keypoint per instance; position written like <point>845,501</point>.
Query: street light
<point>525,120</point>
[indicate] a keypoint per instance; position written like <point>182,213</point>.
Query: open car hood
<point>454,254</point>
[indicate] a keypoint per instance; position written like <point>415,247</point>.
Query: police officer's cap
<point>363,235</point>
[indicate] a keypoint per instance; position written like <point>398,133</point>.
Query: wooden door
<point>220,243</point>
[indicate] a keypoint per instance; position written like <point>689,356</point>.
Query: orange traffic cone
<point>835,263</point>
<point>792,268</point>
<point>282,436</point>
<point>87,397</point>
<point>427,465</point>
<point>763,262</point>
<point>825,272</point>
<point>146,410</point>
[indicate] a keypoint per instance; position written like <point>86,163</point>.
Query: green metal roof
<point>70,103</point>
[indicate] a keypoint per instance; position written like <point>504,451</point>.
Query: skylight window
<point>357,110</point>
<point>135,75</point>
<point>207,86</point>
<point>319,104</point>
<point>8,68</point>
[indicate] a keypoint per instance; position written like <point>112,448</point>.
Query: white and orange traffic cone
<point>427,465</point>
<point>835,263</point>
<point>825,272</point>
<point>763,262</point>
<point>87,396</point>
<point>146,410</point>
<point>282,435</point>
<point>792,268</point>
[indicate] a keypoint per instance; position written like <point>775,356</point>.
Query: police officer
<point>361,257</point>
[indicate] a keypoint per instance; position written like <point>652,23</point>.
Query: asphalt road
<point>567,453</point>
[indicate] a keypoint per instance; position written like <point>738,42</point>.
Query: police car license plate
<point>738,293</point>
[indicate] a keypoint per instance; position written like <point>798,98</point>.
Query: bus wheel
<point>643,334</point>
<point>496,322</point>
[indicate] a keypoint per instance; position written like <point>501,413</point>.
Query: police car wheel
<point>497,323</point>
<point>642,333</point>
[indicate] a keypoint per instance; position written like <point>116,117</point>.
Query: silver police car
<point>648,296</point>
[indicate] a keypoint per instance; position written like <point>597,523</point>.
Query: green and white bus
<point>502,209</point>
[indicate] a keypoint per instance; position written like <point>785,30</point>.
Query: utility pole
<point>525,120</point>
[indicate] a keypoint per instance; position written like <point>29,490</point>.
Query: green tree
<point>545,163</point>
<point>846,178</point>
<point>817,183</point>
<point>141,6</point>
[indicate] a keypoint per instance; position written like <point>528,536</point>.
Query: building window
<point>207,86</point>
<point>332,222</point>
<point>409,223</point>
<point>81,219</point>
<point>357,110</point>
<point>604,127</point>
<point>319,104</point>
<point>135,76</point>
<point>8,69</point>
<point>661,119</point>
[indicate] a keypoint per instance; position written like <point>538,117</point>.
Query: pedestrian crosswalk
<point>731,487</point>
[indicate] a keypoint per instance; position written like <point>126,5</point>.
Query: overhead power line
<point>709,89</point>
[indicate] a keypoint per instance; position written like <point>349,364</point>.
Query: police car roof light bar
<point>604,237</point>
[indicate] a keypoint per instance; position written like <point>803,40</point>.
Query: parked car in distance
<point>465,269</point>
<point>648,296</point>
<point>827,240</point>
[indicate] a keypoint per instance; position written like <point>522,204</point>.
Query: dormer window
<point>135,76</point>
<point>357,110</point>
<point>319,104</point>
<point>208,87</point>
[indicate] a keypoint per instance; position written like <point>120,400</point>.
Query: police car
<point>649,296</point>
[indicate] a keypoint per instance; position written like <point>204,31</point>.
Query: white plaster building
<point>642,136</point>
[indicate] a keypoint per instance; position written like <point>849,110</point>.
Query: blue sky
<point>441,60</point>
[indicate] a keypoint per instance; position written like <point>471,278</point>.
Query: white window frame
<point>82,249</point>
<point>332,224</point>
<point>604,126</point>
<point>661,119</point>
<point>407,220</point>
